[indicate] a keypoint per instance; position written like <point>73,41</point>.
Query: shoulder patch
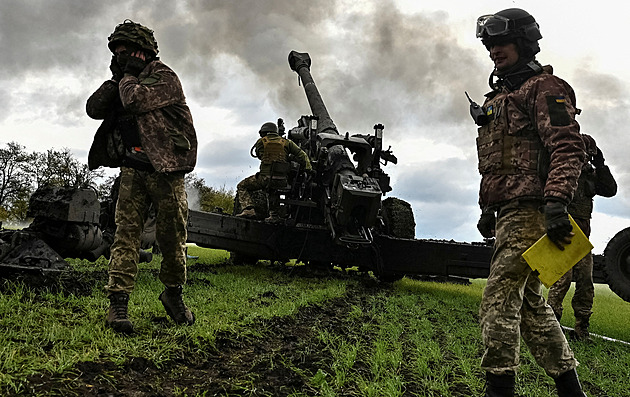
<point>558,114</point>
<point>151,79</point>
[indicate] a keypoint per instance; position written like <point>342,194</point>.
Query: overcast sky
<point>404,64</point>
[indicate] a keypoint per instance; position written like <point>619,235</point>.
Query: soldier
<point>148,132</point>
<point>269,148</point>
<point>595,179</point>
<point>530,155</point>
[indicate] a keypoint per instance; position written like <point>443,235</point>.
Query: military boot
<point>172,300</point>
<point>500,385</point>
<point>247,213</point>
<point>568,385</point>
<point>581,329</point>
<point>117,315</point>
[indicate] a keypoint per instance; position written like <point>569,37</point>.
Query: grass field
<point>274,331</point>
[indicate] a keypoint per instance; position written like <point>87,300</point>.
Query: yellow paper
<point>550,262</point>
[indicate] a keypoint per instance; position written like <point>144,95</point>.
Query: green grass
<point>423,339</point>
<point>52,332</point>
<point>409,339</point>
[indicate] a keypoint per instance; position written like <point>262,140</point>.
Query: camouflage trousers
<point>252,183</point>
<point>513,305</point>
<point>168,194</point>
<point>582,272</point>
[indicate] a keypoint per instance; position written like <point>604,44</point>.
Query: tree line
<point>23,172</point>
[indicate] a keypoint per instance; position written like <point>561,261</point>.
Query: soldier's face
<point>120,48</point>
<point>504,56</point>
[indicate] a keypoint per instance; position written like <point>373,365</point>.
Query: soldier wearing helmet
<point>595,179</point>
<point>148,132</point>
<point>271,149</point>
<point>530,154</point>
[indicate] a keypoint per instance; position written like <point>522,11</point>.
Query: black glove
<point>487,224</point>
<point>598,159</point>
<point>557,223</point>
<point>117,72</point>
<point>130,64</point>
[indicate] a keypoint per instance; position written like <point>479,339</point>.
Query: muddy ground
<point>277,364</point>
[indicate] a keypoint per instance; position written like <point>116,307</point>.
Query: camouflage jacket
<point>291,152</point>
<point>531,148</point>
<point>164,122</point>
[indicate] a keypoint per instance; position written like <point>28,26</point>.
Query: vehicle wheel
<point>398,218</point>
<point>617,264</point>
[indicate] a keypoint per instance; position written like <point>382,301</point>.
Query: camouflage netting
<point>131,32</point>
<point>398,218</point>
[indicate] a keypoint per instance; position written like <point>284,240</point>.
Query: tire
<point>398,218</point>
<point>617,264</point>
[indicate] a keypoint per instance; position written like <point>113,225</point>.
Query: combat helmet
<point>268,127</point>
<point>134,33</point>
<point>511,25</point>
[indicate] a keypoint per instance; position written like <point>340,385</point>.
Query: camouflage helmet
<point>134,33</point>
<point>268,127</point>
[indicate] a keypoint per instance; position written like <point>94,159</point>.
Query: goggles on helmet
<point>492,25</point>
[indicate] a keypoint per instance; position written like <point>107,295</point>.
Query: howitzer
<point>349,194</point>
<point>337,217</point>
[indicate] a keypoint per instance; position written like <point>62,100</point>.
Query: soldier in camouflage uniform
<point>530,155</point>
<point>148,132</point>
<point>269,148</point>
<point>595,179</point>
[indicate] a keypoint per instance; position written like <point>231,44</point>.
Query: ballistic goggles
<point>497,25</point>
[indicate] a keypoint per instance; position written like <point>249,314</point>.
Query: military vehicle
<point>334,216</point>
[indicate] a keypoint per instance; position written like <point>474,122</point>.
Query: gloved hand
<point>487,224</point>
<point>117,72</point>
<point>557,223</point>
<point>598,159</point>
<point>131,64</point>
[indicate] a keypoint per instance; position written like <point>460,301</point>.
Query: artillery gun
<point>336,215</point>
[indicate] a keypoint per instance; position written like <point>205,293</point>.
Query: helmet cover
<point>134,33</point>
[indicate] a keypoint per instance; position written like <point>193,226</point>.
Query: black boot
<point>117,315</point>
<point>172,300</point>
<point>568,385</point>
<point>500,385</point>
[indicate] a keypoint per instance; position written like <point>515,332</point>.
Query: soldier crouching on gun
<point>530,155</point>
<point>272,149</point>
<point>595,179</point>
<point>148,132</point>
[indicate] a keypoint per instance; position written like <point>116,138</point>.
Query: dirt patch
<point>279,363</point>
<point>65,282</point>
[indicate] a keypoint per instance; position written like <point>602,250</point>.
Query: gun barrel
<point>300,63</point>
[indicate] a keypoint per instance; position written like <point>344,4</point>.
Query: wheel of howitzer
<point>398,218</point>
<point>617,264</point>
<point>399,222</point>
